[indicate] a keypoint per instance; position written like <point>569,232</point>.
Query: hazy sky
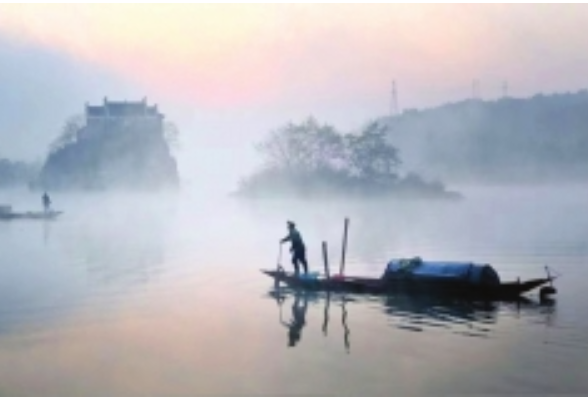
<point>226,74</point>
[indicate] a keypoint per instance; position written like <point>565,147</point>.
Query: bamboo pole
<point>326,260</point>
<point>344,248</point>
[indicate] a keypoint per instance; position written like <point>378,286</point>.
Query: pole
<point>279,265</point>
<point>394,104</point>
<point>326,260</point>
<point>344,323</point>
<point>344,249</point>
<point>326,317</point>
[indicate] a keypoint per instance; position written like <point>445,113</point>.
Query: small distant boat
<point>458,279</point>
<point>30,215</point>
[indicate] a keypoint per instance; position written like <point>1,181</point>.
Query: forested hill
<point>542,139</point>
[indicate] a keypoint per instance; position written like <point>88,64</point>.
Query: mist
<point>519,141</point>
<point>151,290</point>
<point>41,89</point>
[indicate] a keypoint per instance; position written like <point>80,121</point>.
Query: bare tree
<point>305,147</point>
<point>370,156</point>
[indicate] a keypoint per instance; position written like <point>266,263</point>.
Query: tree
<point>310,147</point>
<point>303,148</point>
<point>69,133</point>
<point>314,159</point>
<point>370,157</point>
<point>171,135</point>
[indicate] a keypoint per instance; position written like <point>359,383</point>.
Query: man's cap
<point>290,223</point>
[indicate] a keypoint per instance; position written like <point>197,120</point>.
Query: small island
<point>118,145</point>
<point>313,160</point>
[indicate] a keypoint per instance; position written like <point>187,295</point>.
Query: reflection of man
<point>298,320</point>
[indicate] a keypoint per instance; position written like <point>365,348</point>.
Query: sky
<point>227,74</point>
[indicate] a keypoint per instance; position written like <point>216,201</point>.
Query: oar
<point>278,268</point>
<point>279,264</point>
<point>280,256</point>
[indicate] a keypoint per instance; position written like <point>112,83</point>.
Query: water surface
<point>163,295</point>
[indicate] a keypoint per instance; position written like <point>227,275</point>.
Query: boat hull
<point>30,215</point>
<point>506,290</point>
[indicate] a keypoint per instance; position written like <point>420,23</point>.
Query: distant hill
<point>542,139</point>
<point>118,145</point>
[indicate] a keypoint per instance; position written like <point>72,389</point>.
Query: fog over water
<point>162,294</point>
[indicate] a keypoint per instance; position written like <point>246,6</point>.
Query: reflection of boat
<point>478,318</point>
<point>455,279</point>
<point>468,317</point>
<point>30,215</point>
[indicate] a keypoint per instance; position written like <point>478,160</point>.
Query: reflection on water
<point>138,295</point>
<point>91,254</point>
<point>417,314</point>
<point>473,318</point>
<point>299,309</point>
<point>114,254</point>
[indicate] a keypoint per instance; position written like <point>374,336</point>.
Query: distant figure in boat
<point>46,202</point>
<point>297,249</point>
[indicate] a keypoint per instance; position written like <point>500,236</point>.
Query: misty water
<point>136,294</point>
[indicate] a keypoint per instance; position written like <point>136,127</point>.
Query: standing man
<point>297,249</point>
<point>46,202</point>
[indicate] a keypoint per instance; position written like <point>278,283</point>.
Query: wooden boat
<point>30,215</point>
<point>413,275</point>
<point>408,284</point>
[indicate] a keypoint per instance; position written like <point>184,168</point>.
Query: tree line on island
<point>311,159</point>
<point>542,139</point>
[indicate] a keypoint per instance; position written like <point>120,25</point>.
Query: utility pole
<point>475,89</point>
<point>394,101</point>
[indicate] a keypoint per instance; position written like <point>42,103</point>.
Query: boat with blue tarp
<point>414,275</point>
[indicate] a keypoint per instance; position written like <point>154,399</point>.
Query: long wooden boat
<point>502,290</point>
<point>30,215</point>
